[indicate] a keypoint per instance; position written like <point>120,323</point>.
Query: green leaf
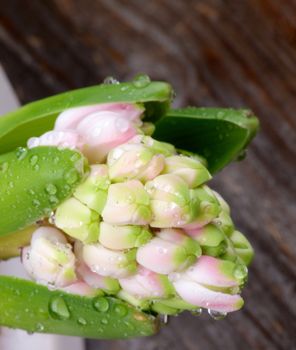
<point>34,182</point>
<point>34,308</point>
<point>38,117</point>
<point>218,134</point>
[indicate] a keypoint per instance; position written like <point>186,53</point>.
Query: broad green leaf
<point>34,308</point>
<point>38,117</point>
<point>10,245</point>
<point>221,135</point>
<point>34,182</point>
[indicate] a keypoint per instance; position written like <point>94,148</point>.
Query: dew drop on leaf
<point>110,81</point>
<point>82,321</point>
<point>141,81</point>
<point>59,309</point>
<point>101,304</point>
<point>120,310</point>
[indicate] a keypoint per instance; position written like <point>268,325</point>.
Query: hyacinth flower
<point>110,210</point>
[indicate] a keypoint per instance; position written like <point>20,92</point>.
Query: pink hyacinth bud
<point>134,161</point>
<point>70,118</point>
<point>211,283</point>
<point>107,262</point>
<point>50,259</point>
<point>169,251</point>
<point>172,202</point>
<point>62,139</point>
<point>146,284</point>
<point>127,203</point>
<point>93,279</point>
<point>102,128</point>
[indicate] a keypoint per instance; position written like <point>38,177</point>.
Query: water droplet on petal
<point>240,271</point>
<point>101,304</point>
<point>141,81</point>
<point>217,315</point>
<point>59,309</point>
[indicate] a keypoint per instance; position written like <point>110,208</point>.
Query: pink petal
<point>80,288</point>
<point>200,296</point>
<point>209,271</point>
<point>70,118</point>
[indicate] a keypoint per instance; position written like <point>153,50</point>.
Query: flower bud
<point>50,259</point>
<point>209,207</point>
<point>224,222</point>
<point>201,296</point>
<point>169,251</point>
<point>211,283</point>
<point>192,171</point>
<point>93,279</point>
<point>210,238</point>
<point>93,191</point>
<point>127,203</point>
<point>147,284</point>
<point>242,247</point>
<point>157,147</point>
<point>123,237</point>
<point>171,201</point>
<point>134,161</point>
<point>70,118</point>
<point>62,139</point>
<point>107,262</point>
<point>223,204</point>
<point>77,220</point>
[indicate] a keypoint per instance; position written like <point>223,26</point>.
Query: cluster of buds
<point>143,225</point>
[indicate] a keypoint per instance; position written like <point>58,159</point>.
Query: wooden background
<point>215,53</point>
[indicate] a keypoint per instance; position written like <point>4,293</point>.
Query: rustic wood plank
<point>216,52</point>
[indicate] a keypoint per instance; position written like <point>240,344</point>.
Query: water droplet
<point>141,81</point>
<point>101,304</point>
<point>197,312</point>
<point>217,315</point>
<point>120,310</point>
<point>56,160</point>
<point>51,189</point>
<point>110,81</point>
<point>59,309</point>
<point>3,167</point>
<point>53,200</point>
<point>39,327</point>
<point>11,184</point>
<point>104,321</point>
<point>164,319</point>
<point>173,95</point>
<point>36,203</point>
<point>36,167</point>
<point>75,157</point>
<point>71,177</point>
<point>34,160</point>
<point>240,271</point>
<point>21,153</point>
<point>82,321</point>
<point>51,218</point>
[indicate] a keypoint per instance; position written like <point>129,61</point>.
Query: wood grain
<point>215,53</point>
